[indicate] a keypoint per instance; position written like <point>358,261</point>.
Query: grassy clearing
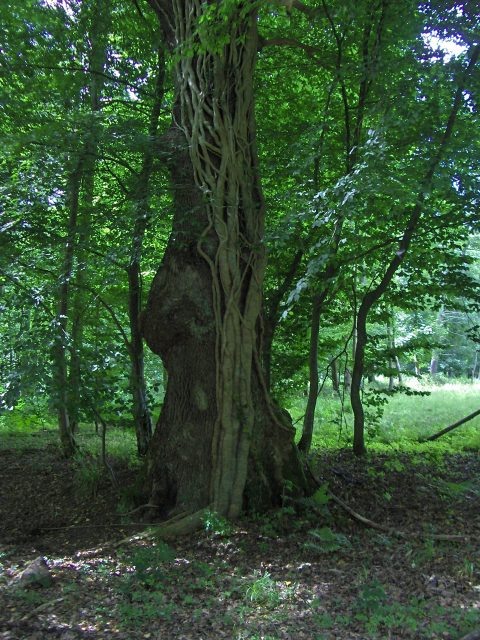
<point>22,430</point>
<point>405,420</point>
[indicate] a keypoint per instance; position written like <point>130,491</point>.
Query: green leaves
<point>325,540</point>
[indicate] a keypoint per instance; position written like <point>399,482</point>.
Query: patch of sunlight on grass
<point>406,419</point>
<point>417,417</point>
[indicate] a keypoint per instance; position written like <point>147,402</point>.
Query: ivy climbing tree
<point>220,442</point>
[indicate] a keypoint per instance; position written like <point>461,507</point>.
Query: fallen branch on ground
<point>452,426</point>
<point>380,527</point>
<point>391,531</point>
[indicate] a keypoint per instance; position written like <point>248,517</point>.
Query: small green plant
<point>422,555</point>
<point>321,497</point>
<point>145,584</point>
<point>468,570</point>
<point>371,598</point>
<point>88,474</point>
<point>144,606</point>
<point>263,590</point>
<point>216,524</point>
<point>394,465</point>
<point>33,598</point>
<point>324,620</point>
<point>326,541</point>
<point>147,569</point>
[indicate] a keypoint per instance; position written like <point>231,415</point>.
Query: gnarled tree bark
<point>219,442</point>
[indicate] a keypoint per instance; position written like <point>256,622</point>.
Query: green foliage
<point>405,421</point>
<point>143,586</point>
<point>216,524</point>
<point>321,496</point>
<point>88,474</point>
<point>147,562</point>
<point>325,540</point>
<point>263,590</point>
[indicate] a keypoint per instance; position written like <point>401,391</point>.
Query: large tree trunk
<point>219,441</point>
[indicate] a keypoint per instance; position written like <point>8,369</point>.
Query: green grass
<point>406,419</point>
<point>22,430</point>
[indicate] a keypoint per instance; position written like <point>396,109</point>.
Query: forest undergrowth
<point>307,570</point>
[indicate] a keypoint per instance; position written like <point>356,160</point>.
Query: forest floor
<point>314,574</point>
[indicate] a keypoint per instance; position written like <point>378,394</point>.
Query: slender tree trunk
<point>347,379</point>
<point>98,32</point>
<point>335,377</point>
<point>391,359</point>
<point>60,361</point>
<point>271,315</point>
<point>356,381</point>
<point>398,366</point>
<point>433,368</point>
<point>220,442</point>
<point>313,388</point>
<point>453,426</point>
<point>374,295</point>
<point>141,412</point>
<point>415,365</point>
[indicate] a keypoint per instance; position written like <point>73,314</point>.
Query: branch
<point>311,12</point>
<point>313,52</point>
<point>123,188</point>
<point>32,295</point>
<point>93,72</point>
<point>381,527</point>
<point>276,298</point>
<point>84,287</point>
<point>452,426</point>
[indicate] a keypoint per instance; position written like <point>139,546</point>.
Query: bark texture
<point>219,441</point>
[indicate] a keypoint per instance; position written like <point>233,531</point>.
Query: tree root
<point>179,525</point>
<point>380,527</point>
<point>391,531</point>
<point>42,607</point>
<point>148,505</point>
<point>473,635</point>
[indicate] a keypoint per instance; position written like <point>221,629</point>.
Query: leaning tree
<point>220,442</point>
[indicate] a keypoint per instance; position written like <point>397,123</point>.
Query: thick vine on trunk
<point>219,441</point>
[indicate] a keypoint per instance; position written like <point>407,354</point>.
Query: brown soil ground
<point>268,578</point>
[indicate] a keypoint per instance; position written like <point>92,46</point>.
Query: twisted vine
<point>216,119</point>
